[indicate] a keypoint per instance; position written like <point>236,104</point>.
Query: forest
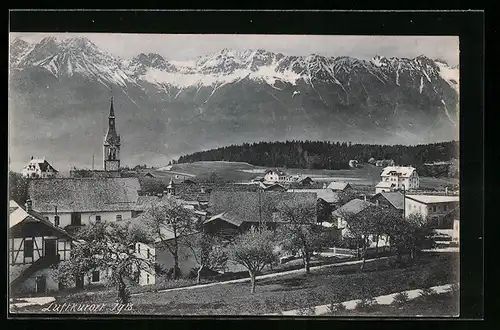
<point>325,154</point>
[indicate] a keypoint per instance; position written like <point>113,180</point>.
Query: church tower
<point>111,147</point>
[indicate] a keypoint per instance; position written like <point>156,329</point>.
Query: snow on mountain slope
<point>81,56</point>
<point>72,56</point>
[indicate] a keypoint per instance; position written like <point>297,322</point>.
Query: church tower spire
<point>111,146</point>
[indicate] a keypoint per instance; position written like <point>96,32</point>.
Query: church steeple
<point>111,147</point>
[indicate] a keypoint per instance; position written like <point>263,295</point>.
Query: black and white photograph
<point>231,175</point>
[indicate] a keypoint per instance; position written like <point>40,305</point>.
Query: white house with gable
<point>400,176</point>
<point>39,168</point>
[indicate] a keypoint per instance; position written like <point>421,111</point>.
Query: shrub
<point>337,307</point>
<point>428,293</point>
<point>400,299</point>
<point>306,311</point>
<point>455,288</point>
<point>366,303</point>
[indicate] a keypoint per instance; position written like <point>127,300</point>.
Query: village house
<point>384,162</point>
<point>277,176</point>
<point>394,200</point>
<point>404,177</point>
<point>355,207</point>
<point>353,163</point>
<point>385,187</point>
<point>235,212</point>
<point>441,211</point>
<point>39,168</point>
<point>76,202</point>
<point>35,245</point>
<point>339,186</point>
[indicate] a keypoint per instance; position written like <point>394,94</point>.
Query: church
<point>110,153</point>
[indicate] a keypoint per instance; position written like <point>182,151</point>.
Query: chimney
<point>324,185</point>
<point>365,197</point>
<point>29,205</point>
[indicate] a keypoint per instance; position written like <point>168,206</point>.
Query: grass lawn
<point>328,285</point>
<point>441,305</point>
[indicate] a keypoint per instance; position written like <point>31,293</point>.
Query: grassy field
<point>367,175</point>
<point>439,305</point>
<point>324,286</point>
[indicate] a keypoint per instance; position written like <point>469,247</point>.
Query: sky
<point>182,47</point>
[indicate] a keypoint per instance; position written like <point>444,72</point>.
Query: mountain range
<point>59,92</point>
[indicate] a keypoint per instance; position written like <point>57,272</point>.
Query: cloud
<point>188,46</point>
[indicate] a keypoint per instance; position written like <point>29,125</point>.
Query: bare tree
<point>299,231</point>
<point>170,221</point>
<point>360,228</point>
<point>253,249</point>
<point>208,251</point>
<point>107,246</point>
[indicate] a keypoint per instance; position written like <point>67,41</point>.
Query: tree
<point>413,235</point>
<point>106,246</point>
<point>254,249</point>
<point>346,196</point>
<point>208,251</point>
<point>169,215</point>
<point>299,231</point>
<point>360,228</point>
<point>18,188</point>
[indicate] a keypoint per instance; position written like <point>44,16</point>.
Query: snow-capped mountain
<point>171,108</point>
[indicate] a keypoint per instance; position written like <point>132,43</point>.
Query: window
<point>147,278</point>
<point>434,208</point>
<point>138,248</point>
<point>76,219</point>
<point>97,218</point>
<point>95,276</point>
<point>118,217</point>
<point>46,218</point>
<point>56,221</point>
<point>148,253</point>
<point>445,207</point>
<point>28,248</point>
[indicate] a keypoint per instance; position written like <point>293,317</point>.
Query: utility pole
<point>260,208</point>
<point>92,162</point>
<point>404,202</point>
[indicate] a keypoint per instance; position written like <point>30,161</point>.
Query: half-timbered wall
<point>19,251</point>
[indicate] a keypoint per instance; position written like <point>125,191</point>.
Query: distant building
<point>441,211</point>
<point>406,176</point>
<point>277,176</point>
<point>385,162</point>
<point>78,201</point>
<point>339,186</point>
<point>39,168</point>
<point>353,163</point>
<point>384,186</point>
<point>327,195</point>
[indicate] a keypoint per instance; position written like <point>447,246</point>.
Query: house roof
<point>42,164</point>
<point>430,199</point>
<point>20,215</point>
<point>276,170</point>
<point>354,206</point>
<point>244,205</point>
<point>327,195</point>
<point>230,217</point>
<point>385,184</point>
<point>84,194</point>
<point>395,198</point>
<point>338,185</point>
<point>403,171</point>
